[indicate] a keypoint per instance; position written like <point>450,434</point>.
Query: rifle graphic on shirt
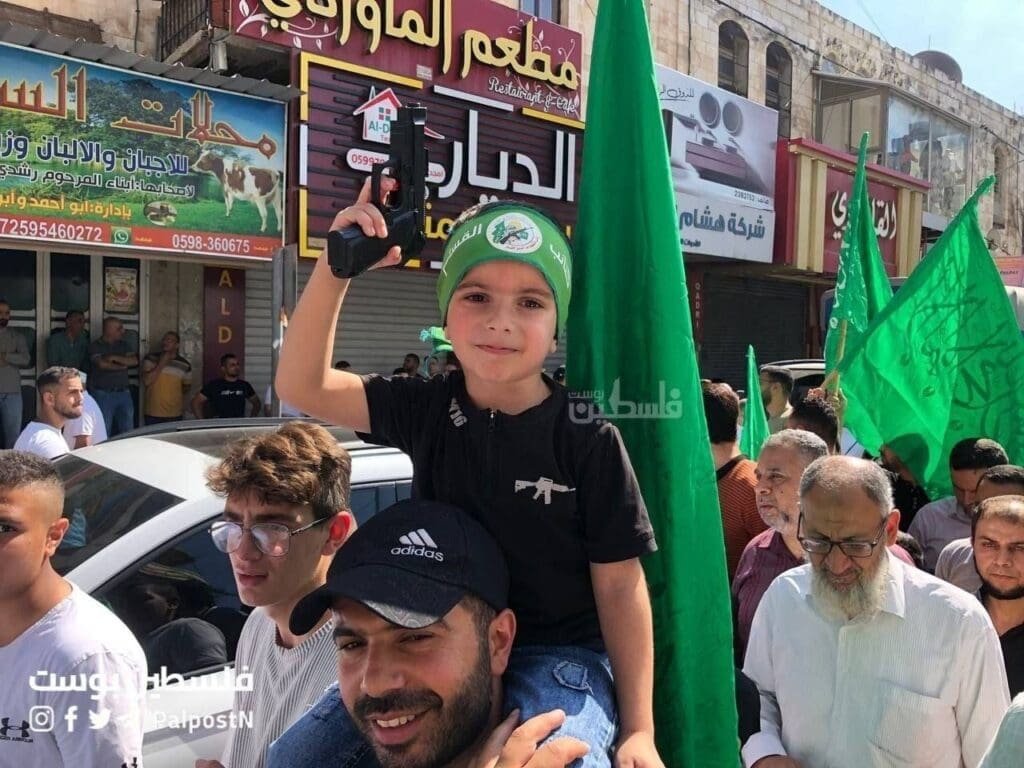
<point>544,486</point>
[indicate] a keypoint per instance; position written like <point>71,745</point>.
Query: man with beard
<point>998,541</point>
<point>13,357</point>
<point>956,561</point>
<point>861,660</point>
<point>783,459</point>
<point>776,387</point>
<point>60,399</point>
<point>424,635</point>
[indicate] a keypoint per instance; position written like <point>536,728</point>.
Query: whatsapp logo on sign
<point>122,235</point>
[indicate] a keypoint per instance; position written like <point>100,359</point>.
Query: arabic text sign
<point>720,144</point>
<point>95,155</point>
<point>838,186</point>
<point>715,227</point>
<point>485,152</point>
<point>477,46</point>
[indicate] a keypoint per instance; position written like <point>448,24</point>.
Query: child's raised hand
<point>637,751</point>
<point>368,217</point>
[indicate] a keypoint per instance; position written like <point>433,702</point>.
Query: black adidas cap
<point>411,564</point>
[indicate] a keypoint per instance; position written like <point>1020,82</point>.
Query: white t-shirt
<point>90,423</point>
<point>286,683</point>
<point>42,440</point>
<point>43,722</point>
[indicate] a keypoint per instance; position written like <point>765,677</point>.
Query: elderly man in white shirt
<point>862,661</point>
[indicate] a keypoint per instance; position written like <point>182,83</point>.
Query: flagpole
<point>833,378</point>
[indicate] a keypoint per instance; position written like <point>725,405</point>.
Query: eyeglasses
<point>849,548</point>
<point>271,539</point>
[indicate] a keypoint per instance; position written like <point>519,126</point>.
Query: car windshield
<point>102,505</point>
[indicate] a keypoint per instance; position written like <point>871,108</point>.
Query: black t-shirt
<point>557,495</point>
<point>228,398</point>
<point>1012,643</point>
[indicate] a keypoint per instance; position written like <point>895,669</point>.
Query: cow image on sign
<point>260,186</point>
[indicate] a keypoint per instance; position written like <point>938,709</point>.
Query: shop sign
<point>715,227</point>
<point>223,318</point>
<point>882,197</point>
<point>1011,270</point>
<point>479,150</point>
<point>477,46</point>
<point>720,144</point>
<point>94,155</point>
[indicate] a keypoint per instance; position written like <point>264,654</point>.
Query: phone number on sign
<point>208,244</point>
<point>51,230</point>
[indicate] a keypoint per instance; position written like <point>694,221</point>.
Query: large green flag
<point>943,361</point>
<point>630,334</point>
<point>755,420</point>
<point>862,287</point>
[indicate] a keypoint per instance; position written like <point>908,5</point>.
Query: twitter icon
<point>98,720</point>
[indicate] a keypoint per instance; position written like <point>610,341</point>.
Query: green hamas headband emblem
<point>514,232</point>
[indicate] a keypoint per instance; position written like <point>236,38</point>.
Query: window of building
<point>999,191</point>
<point>778,85</point>
<point>733,52</point>
<point>906,135</point>
<point>543,9</point>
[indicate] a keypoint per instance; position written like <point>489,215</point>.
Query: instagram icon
<point>40,719</point>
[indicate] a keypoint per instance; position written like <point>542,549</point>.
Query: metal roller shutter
<point>257,328</point>
<point>770,314</point>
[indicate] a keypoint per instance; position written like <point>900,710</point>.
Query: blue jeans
<point>538,680</point>
<point>118,410</point>
<point>10,417</point>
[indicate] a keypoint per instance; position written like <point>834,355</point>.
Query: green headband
<point>508,232</point>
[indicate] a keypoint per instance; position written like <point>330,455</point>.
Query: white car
<point>139,542</point>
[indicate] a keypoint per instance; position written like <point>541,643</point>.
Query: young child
<point>496,439</point>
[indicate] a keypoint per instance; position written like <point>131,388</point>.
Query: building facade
<point>933,140</point>
<point>822,79</point>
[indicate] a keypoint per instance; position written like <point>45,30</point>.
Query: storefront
<point>814,183</point>
<point>118,188</point>
<point>502,92</point>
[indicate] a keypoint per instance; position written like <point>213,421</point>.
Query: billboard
<point>94,155</point>
<point>478,151</point>
<point>476,46</point>
<point>722,156</point>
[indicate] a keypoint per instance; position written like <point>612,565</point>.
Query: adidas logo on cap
<point>418,544</point>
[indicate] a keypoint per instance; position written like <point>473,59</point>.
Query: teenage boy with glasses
<point>286,513</point>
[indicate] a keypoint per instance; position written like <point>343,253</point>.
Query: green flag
<point>755,420</point>
<point>630,334</point>
<point>862,287</point>
<point>943,361</point>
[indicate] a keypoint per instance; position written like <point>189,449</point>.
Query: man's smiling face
<point>421,697</point>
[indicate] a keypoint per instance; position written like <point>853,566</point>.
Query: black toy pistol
<point>349,251</point>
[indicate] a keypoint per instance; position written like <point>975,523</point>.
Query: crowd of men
<point>336,616</point>
<point>861,655</point>
<point>101,403</point>
<point>855,651</point>
<point>477,626</point>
